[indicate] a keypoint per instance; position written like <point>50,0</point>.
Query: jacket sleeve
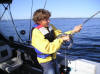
<point>43,45</point>
<point>58,32</point>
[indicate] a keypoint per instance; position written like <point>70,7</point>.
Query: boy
<point>45,42</point>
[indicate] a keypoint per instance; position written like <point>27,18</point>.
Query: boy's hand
<point>77,29</point>
<point>66,38</point>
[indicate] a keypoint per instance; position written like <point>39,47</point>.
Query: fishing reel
<point>65,70</point>
<point>67,44</point>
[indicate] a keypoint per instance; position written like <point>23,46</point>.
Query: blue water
<point>86,43</point>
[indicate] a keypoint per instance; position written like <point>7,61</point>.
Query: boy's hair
<point>41,14</point>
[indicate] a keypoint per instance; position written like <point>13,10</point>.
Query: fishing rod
<point>30,23</point>
<point>70,35</point>
<point>45,4</point>
<point>90,17</point>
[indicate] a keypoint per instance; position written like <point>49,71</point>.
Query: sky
<point>21,9</point>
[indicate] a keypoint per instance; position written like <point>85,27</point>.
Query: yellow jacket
<point>46,47</point>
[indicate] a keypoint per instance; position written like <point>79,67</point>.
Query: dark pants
<point>50,67</point>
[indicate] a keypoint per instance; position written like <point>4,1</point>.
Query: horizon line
<point>56,18</point>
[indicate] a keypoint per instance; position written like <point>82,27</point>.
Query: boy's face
<point>44,22</point>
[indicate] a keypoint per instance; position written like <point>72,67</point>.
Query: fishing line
<point>66,61</point>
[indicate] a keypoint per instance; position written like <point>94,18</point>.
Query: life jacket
<point>49,34</point>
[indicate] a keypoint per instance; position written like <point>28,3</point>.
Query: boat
<point>16,57</point>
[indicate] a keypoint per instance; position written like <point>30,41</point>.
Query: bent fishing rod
<point>90,17</point>
<point>84,22</point>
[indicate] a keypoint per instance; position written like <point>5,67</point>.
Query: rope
<point>45,4</point>
<point>6,7</point>
<point>14,24</point>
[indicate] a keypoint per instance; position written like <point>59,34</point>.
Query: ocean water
<point>86,43</point>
